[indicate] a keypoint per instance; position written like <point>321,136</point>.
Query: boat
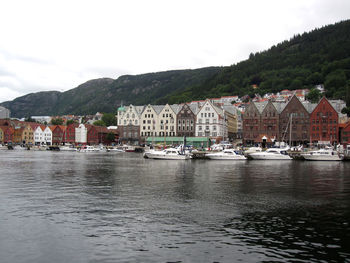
<point>166,154</point>
<point>88,149</point>
<point>252,150</point>
<point>68,148</point>
<point>227,154</point>
<point>271,154</point>
<point>323,155</point>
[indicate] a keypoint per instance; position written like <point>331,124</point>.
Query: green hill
<point>321,56</point>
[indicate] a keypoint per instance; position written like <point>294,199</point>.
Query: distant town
<point>285,116</point>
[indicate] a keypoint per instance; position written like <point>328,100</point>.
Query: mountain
<point>105,94</point>
<point>321,56</point>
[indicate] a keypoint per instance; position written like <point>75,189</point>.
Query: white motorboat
<point>271,154</point>
<point>227,154</point>
<point>323,155</point>
<point>68,148</point>
<point>88,149</point>
<point>167,154</point>
<point>252,150</point>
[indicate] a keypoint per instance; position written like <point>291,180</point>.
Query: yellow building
<point>23,135</point>
<point>1,136</point>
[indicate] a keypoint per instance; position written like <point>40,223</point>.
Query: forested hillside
<point>321,56</point>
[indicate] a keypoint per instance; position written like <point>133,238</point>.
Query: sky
<point>58,45</point>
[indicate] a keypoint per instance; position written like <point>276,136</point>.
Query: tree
<point>70,122</point>
<point>99,123</point>
<point>314,95</point>
<point>346,111</point>
<point>110,136</point>
<point>29,119</point>
<point>109,119</point>
<point>57,121</point>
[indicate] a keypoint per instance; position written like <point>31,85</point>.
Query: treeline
<point>321,56</point>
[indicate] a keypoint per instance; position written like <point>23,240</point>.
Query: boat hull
<point>309,157</point>
<point>259,156</point>
<point>221,157</point>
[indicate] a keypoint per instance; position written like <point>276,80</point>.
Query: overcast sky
<point>57,45</point>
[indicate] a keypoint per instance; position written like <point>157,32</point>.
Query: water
<point>83,207</point>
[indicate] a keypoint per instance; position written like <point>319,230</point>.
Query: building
<point>70,133</point>
<point>149,120</point>
<point>252,122</point>
<point>186,121</point>
<point>23,135</point>
<point>129,119</point>
<point>42,135</point>
<point>166,125</point>
<point>210,122</point>
<point>324,122</point>
<point>344,134</point>
<point>7,134</point>
<point>295,122</point>
<point>81,134</point>
<point>58,134</point>
<point>4,113</point>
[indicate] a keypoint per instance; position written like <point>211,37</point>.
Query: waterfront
<point>71,207</point>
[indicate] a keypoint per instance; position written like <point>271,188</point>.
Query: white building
<point>167,120</point>
<point>149,120</point>
<point>4,113</point>
<point>211,122</point>
<point>81,134</point>
<point>42,135</point>
<point>42,119</point>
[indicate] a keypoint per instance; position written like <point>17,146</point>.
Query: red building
<point>92,134</point>
<point>345,133</point>
<point>58,134</point>
<point>70,133</point>
<point>324,123</point>
<point>8,132</point>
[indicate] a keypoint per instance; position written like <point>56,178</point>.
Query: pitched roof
<point>157,108</point>
<point>260,105</point>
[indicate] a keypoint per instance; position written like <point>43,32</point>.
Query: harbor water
<point>120,207</point>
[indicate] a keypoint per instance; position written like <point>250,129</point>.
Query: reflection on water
<point>75,207</point>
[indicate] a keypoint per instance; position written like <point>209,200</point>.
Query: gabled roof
<point>230,108</point>
<point>176,108</point>
<point>139,109</point>
<point>157,108</point>
<point>279,106</point>
<point>260,105</point>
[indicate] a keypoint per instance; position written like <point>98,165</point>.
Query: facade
<point>81,134</point>
<point>23,135</point>
<point>149,120</point>
<point>252,122</point>
<point>186,122</point>
<point>4,113</point>
<point>42,135</point>
<point>269,124</point>
<point>210,122</point>
<point>231,121</point>
<point>70,133</point>
<point>58,134</point>
<point>295,123</point>
<point>166,125</point>
<point>129,119</point>
<point>92,137</point>
<point>324,123</point>
<point>2,136</point>
<point>7,134</point>
<point>345,134</point>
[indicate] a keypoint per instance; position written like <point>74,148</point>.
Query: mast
<point>290,129</point>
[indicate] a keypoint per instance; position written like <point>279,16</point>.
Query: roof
<point>176,108</point>
<point>260,105</point>
<point>157,108</point>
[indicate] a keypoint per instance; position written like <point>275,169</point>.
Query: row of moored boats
<point>256,154</point>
